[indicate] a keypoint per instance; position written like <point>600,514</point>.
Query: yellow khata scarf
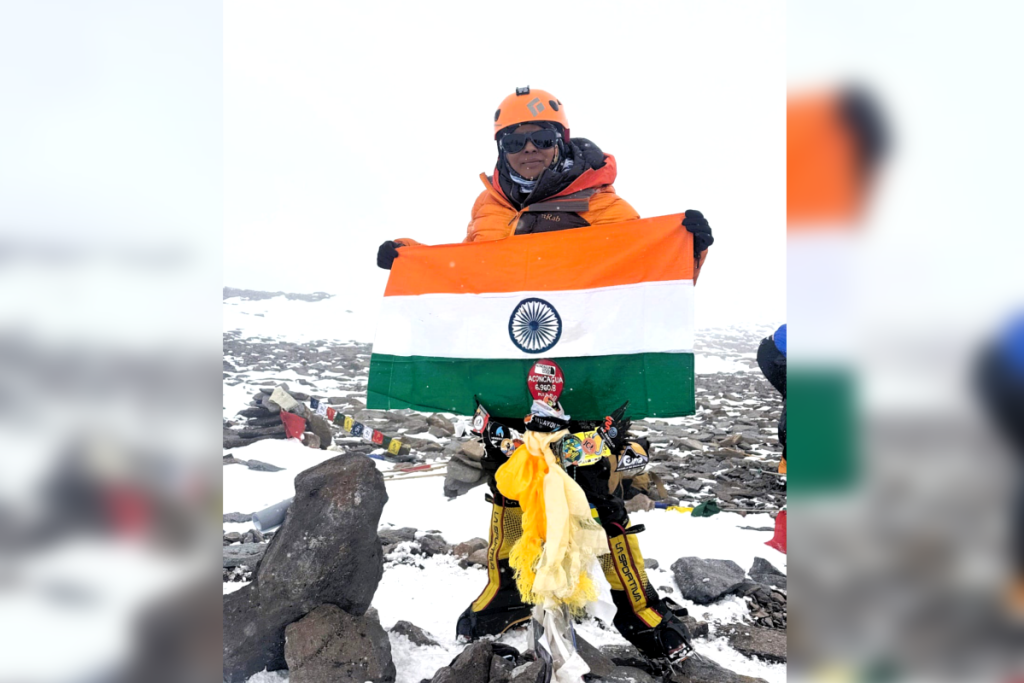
<point>560,537</point>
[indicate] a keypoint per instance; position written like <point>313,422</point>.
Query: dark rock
<point>442,423</point>
<point>327,551</point>
<point>628,674</point>
<point>763,572</point>
<point>624,655</point>
<point>432,544</point>
<point>414,633</point>
<point>705,581</point>
<point>232,537</point>
<point>731,441</point>
<point>415,425</point>
<point>531,672</point>
<point>329,645</point>
<point>260,466</point>
<point>755,641</point>
<point>464,473</point>
<point>691,485</point>
<point>247,554</point>
<point>310,440</point>
<point>236,518</point>
<point>501,670</point>
<point>700,669</point>
<point>453,487</point>
<point>253,536</point>
<point>393,536</point>
<point>477,557</point>
<point>232,460</point>
<point>600,664</point>
<point>319,425</point>
<point>650,563</point>
<point>467,548</point>
<point>473,665</point>
<point>697,629</point>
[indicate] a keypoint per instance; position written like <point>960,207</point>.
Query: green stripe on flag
<point>822,451</point>
<point>655,384</point>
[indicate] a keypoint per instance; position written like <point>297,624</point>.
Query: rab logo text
<point>535,106</point>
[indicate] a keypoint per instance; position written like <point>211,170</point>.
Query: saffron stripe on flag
<point>655,384</point>
<point>645,250</point>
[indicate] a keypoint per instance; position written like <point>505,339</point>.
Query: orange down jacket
<point>591,196</point>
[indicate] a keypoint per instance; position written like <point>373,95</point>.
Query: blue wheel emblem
<point>535,326</point>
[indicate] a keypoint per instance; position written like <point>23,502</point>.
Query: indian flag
<point>612,305</point>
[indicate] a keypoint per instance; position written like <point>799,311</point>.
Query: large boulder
<point>326,551</point>
<point>754,641</point>
<point>705,581</point>
<point>329,645</point>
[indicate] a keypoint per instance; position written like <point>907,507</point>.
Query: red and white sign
<point>545,382</point>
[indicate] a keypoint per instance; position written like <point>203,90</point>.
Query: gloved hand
<point>695,222</point>
<point>387,254</point>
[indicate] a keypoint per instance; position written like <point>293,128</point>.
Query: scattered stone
<point>476,558</point>
<point>700,669</point>
<point>432,544</point>
<point>414,633</point>
<point>467,548</point>
<point>705,581</point>
<point>691,444</point>
<point>260,466</point>
<point>629,674</point>
<point>755,641</point>
<point>731,441</point>
<point>763,572</point>
<point>236,518</point>
<point>231,460</point>
<point>501,670</point>
<point>393,536</point>
<point>473,665</point>
<point>531,672</point>
<point>650,563</point>
<point>697,629</point>
<point>244,554</point>
<point>319,425</point>
<point>310,440</point>
<point>442,423</point>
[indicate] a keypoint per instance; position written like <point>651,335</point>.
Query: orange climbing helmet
<point>528,106</point>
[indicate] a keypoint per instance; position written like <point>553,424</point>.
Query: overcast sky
<point>347,124</point>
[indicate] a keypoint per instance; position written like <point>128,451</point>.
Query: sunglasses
<point>513,143</point>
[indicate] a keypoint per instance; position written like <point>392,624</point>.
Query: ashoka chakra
<point>535,326</point>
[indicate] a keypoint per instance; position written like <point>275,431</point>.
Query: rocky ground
<point>727,452</point>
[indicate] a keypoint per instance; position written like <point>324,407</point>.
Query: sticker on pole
<point>545,382</point>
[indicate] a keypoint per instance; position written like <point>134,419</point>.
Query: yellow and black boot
<point>650,623</point>
<point>499,606</point>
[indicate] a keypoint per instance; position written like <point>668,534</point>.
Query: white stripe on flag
<point>649,317</point>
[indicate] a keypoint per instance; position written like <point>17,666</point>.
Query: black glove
<point>695,222</point>
<point>387,254</point>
